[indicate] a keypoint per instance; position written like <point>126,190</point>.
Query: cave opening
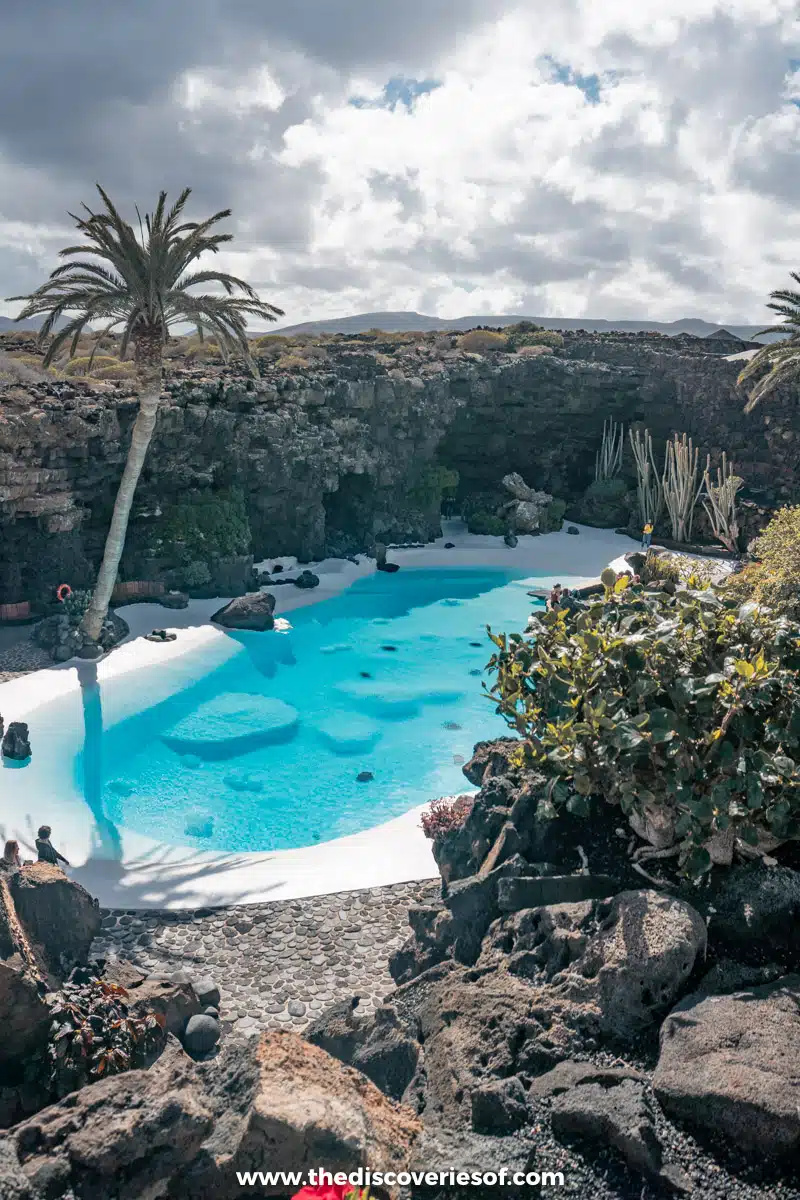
<point>349,515</point>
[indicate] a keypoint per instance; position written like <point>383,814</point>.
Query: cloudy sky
<point>618,159</point>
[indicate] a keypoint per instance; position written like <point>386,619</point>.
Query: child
<point>554,599</point>
<point>45,849</point>
<point>647,536</point>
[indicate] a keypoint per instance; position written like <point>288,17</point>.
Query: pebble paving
<point>21,658</point>
<point>277,965</point>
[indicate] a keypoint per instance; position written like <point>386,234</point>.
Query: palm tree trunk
<point>97,611</point>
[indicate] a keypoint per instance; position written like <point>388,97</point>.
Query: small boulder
<point>201,1035</point>
<point>511,540</point>
<point>499,1108</point>
<point>206,991</point>
<point>757,914</point>
<point>389,567</point>
<point>364,777</point>
<point>58,914</point>
<point>449,545</point>
<point>307,579</point>
<point>16,744</point>
<point>173,600</point>
<point>252,611</point>
<point>573,529</point>
<point>731,1065</point>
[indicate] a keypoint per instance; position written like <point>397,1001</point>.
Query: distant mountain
<point>9,325</point>
<point>407,322</point>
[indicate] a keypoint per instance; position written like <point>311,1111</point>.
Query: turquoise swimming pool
<point>368,706</point>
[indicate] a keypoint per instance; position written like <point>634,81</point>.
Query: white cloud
<point>580,159</point>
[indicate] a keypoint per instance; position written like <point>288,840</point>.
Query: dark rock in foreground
<point>16,743</point>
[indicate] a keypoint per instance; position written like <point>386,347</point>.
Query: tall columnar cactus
<point>608,459</point>
<point>681,490</point>
<point>649,487</point>
<point>719,502</point>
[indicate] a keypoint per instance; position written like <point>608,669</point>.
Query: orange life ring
<point>63,592</point>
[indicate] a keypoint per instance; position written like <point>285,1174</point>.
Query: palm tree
<point>783,358</point>
<point>145,288</point>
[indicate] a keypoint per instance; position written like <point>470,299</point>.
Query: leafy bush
<point>435,482</point>
<point>482,341</point>
<point>76,604</point>
<point>445,815</point>
<point>196,574</point>
<point>93,1034</point>
<point>118,371</point>
<point>775,579</point>
<point>544,337</point>
<point>661,566</point>
<point>205,526</point>
<point>23,368</point>
<point>534,351</point>
<point>522,327</point>
<point>272,341</point>
<point>292,362</point>
<point>553,516</point>
<point>606,503</point>
<point>487,523</point>
<point>680,703</point>
<point>80,366</point>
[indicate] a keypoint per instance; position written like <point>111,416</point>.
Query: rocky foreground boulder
<point>183,1129</point>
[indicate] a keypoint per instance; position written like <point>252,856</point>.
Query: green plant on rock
<point>435,483</point>
<point>487,523</point>
<point>93,1034</point>
<point>76,604</point>
<point>482,341</point>
<point>552,517</point>
<point>196,575</point>
<point>685,704</point>
<point>544,337</point>
<point>208,525</point>
<point>660,567</point>
<point>606,503</point>
<point>774,580</point>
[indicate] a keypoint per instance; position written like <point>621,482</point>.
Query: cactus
<point>679,483</point>
<point>719,502</point>
<point>608,459</point>
<point>649,488</point>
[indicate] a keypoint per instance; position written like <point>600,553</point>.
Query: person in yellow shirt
<point>647,536</point>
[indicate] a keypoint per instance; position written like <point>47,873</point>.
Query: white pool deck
<point>147,874</point>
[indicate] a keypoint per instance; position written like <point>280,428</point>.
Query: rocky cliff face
<point>334,456</point>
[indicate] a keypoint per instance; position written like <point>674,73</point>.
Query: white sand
<point>147,874</point>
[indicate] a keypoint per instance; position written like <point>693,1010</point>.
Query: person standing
<point>647,536</point>
<point>45,848</point>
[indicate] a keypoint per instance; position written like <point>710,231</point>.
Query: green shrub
<point>682,703</point>
<point>775,579</point>
<point>196,575</point>
<point>482,341</point>
<point>553,516</point>
<point>544,337</point>
<point>292,362</point>
<point>606,503</point>
<point>522,327</point>
<point>487,523</point>
<point>80,366</point>
<point>661,566</point>
<point>205,526</point>
<point>76,604</point>
<point>534,351</point>
<point>434,483</point>
<point>118,371</point>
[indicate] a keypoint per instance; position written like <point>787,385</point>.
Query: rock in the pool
<point>253,611</point>
<point>242,781</point>
<point>232,724</point>
<point>349,733</point>
<point>364,777</point>
<point>199,825</point>
<point>16,744</point>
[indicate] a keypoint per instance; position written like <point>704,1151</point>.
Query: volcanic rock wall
<point>335,459</point>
